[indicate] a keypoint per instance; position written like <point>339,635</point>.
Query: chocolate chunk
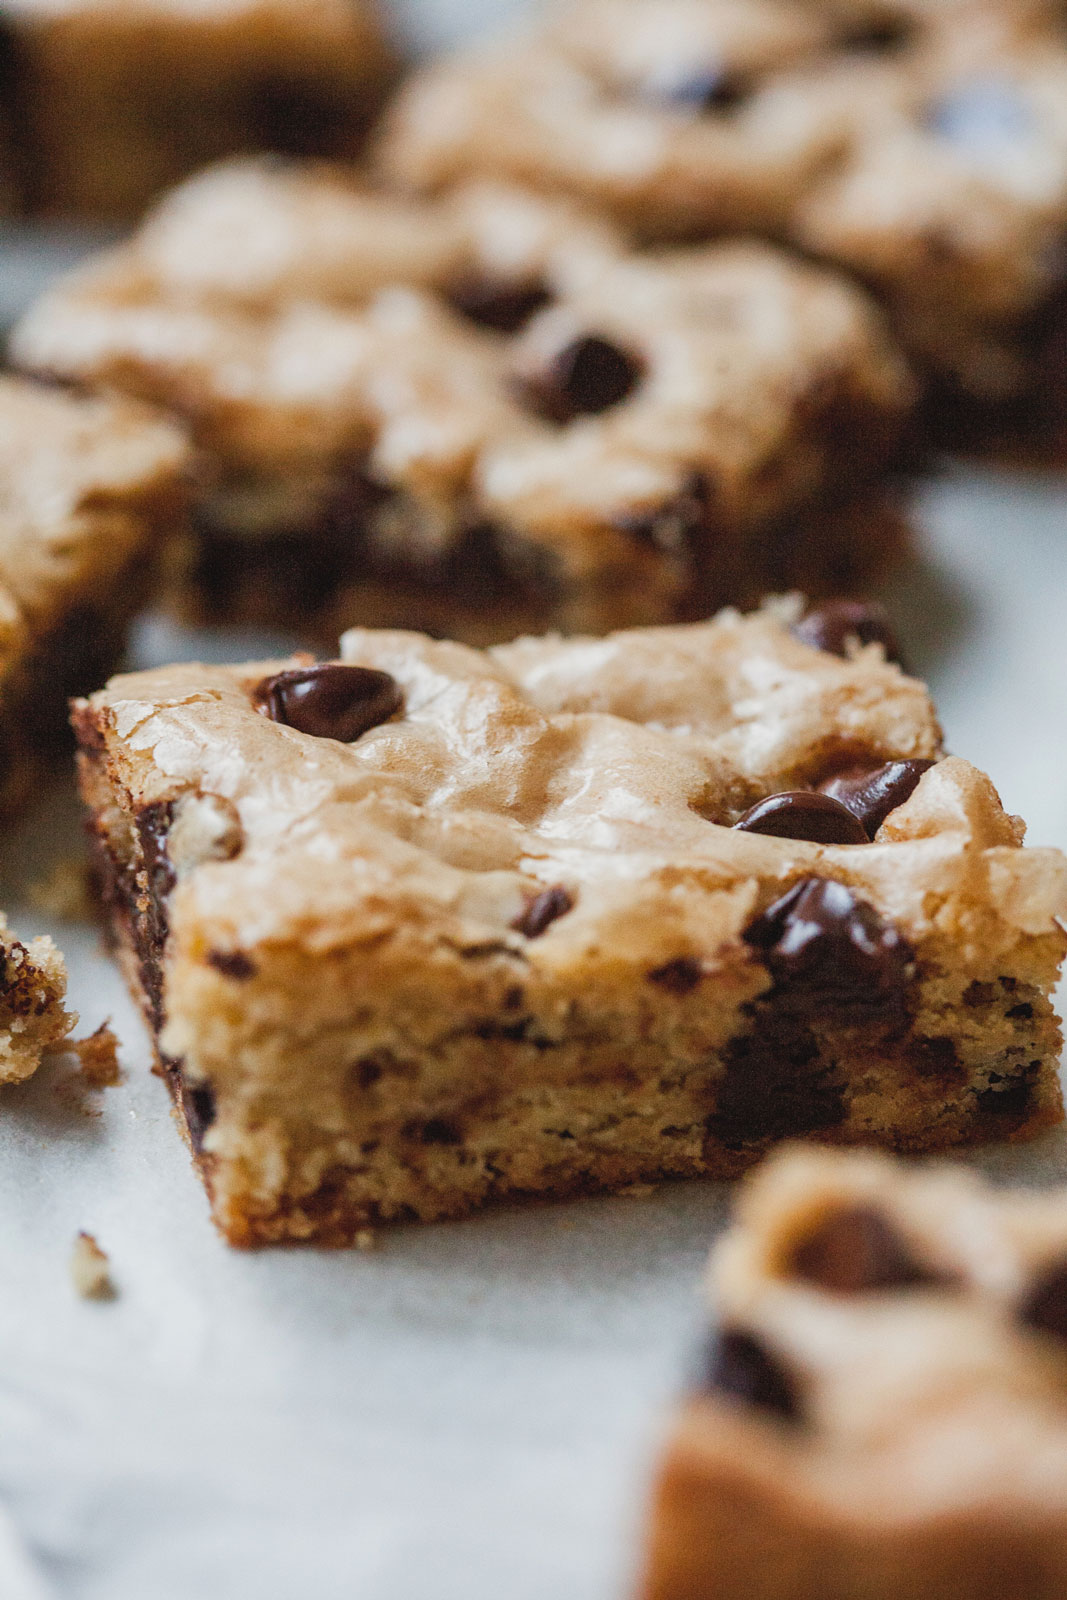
<point>330,702</point>
<point>296,116</point>
<point>828,947</point>
<point>232,964</point>
<point>588,377</point>
<point>871,793</point>
<point>854,1250</point>
<point>802,814</point>
<point>440,1130</point>
<point>986,117</point>
<point>774,1086</point>
<point>740,1367</point>
<point>494,303</point>
<point>1010,1100</point>
<point>883,38</point>
<point>541,913</point>
<point>711,89</point>
<point>1046,1309</point>
<point>679,977</point>
<point>200,1110</point>
<point>832,626</point>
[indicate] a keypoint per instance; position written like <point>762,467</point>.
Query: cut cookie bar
<point>107,102</point>
<point>33,1020</point>
<point>428,927</point>
<point>90,491</point>
<point>921,146</point>
<point>883,1413</point>
<point>526,428</point>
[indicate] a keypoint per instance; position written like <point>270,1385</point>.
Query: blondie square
<point>90,492</point>
<point>107,102</point>
<point>882,1414</point>
<point>485,415</point>
<point>426,927</point>
<point>33,1019</point>
<point>920,146</point>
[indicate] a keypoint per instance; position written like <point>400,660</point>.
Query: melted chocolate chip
<point>741,1368</point>
<point>588,377</point>
<point>440,1130</point>
<point>492,303</point>
<point>330,702</point>
<point>1046,1309</point>
<point>832,626</point>
<point>855,1250</point>
<point>878,38</point>
<point>541,913</point>
<point>802,814</point>
<point>826,946</point>
<point>872,793</point>
<point>679,977</point>
<point>232,964</point>
<point>709,90</point>
<point>1010,1100</point>
<point>200,1110</point>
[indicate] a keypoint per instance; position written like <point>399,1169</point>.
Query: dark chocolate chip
<point>232,964</point>
<point>872,793</point>
<point>588,377</point>
<point>830,627</point>
<point>854,1250</point>
<point>493,303</point>
<point>296,116</point>
<point>740,1367</point>
<point>803,814</point>
<point>1046,1308</point>
<point>820,940</point>
<point>712,89</point>
<point>199,1107</point>
<point>987,116</point>
<point>541,913</point>
<point>1010,1100</point>
<point>330,702</point>
<point>440,1130</point>
<point>679,977</point>
<point>878,38</point>
<point>1021,1013</point>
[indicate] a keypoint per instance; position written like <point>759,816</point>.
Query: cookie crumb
<point>366,1240</point>
<point>90,1269</point>
<point>99,1058</point>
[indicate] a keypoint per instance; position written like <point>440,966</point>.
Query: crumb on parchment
<point>98,1057</point>
<point>90,1269</point>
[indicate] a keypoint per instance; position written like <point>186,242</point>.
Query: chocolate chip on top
<point>586,378</point>
<point>820,939</point>
<point>872,793</point>
<point>855,1250</point>
<point>541,913</point>
<point>837,624</point>
<point>503,307</point>
<point>1046,1309</point>
<point>741,1368</point>
<point>330,701</point>
<point>804,814</point>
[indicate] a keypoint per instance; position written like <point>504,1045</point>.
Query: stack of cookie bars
<point>538,877</point>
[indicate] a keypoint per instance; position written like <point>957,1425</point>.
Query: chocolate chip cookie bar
<point>90,492</point>
<point>881,1412</point>
<point>923,147</point>
<point>33,1019</point>
<point>107,102</point>
<point>425,927</point>
<point>485,416</point>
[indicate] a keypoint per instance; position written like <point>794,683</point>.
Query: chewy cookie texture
<point>427,927</point>
<point>90,492</point>
<point>881,1415</point>
<point>922,147</point>
<point>104,103</point>
<point>33,1021</point>
<point>485,415</point>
